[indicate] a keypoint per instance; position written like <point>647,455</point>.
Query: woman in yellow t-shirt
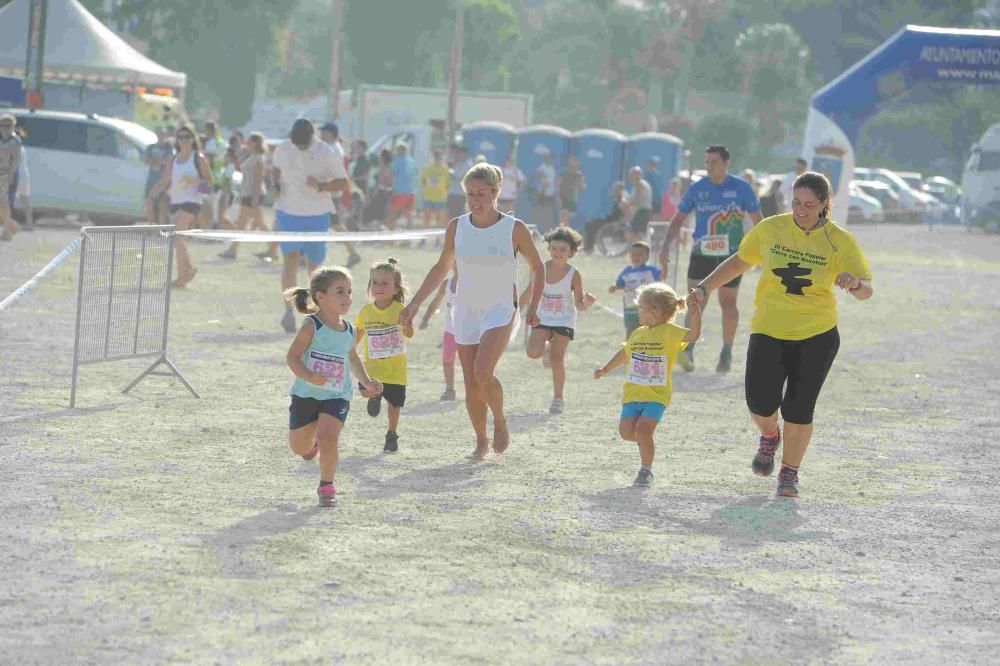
<point>650,353</point>
<point>803,255</point>
<point>435,178</point>
<point>385,344</point>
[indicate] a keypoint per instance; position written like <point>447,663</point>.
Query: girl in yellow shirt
<point>650,354</point>
<point>384,338</point>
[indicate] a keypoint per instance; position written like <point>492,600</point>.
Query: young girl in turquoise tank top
<point>322,357</point>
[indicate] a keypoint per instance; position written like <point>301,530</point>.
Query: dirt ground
<point>159,528</point>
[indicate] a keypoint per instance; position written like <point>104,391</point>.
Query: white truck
<point>981,183</point>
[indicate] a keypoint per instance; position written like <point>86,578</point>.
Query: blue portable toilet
<point>667,149</point>
<point>533,144</point>
<point>600,153</point>
<point>492,139</point>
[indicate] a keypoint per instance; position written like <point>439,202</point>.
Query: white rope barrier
<point>312,237</point>
<point>609,310</point>
<point>30,284</point>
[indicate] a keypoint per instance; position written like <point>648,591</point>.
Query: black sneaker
<point>788,482</point>
<point>763,462</point>
<point>391,443</point>
<point>374,406</point>
<point>353,260</point>
<point>725,360</point>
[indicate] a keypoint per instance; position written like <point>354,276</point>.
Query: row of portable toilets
<point>605,157</point>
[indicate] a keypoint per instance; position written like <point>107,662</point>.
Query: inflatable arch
<point>915,54</point>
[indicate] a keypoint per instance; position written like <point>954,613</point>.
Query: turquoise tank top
<point>327,354</point>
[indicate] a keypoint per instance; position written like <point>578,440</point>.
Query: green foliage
<point>733,131</point>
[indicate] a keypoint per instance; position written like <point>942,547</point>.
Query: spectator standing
<point>771,203</point>
<point>513,181</point>
<point>435,181</point>
<point>329,133</point>
<point>22,194</point>
<point>571,185</point>
<point>640,204</point>
<point>545,193</point>
<point>404,183</point>
<point>651,174</point>
<point>157,157</point>
<point>788,183</point>
<point>10,158</point>
<point>456,194</point>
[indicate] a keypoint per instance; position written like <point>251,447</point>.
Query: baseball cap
<point>330,127</point>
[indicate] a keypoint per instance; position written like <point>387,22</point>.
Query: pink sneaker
<point>311,453</point>
<point>327,495</point>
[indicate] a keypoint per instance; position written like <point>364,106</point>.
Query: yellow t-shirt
<point>385,344</point>
<point>435,179</point>
<point>795,298</point>
<point>649,362</point>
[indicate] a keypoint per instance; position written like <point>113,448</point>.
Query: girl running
<point>562,296</point>
<point>650,353</point>
<point>449,350</point>
<point>184,175</point>
<point>378,324</point>
<point>322,357</point>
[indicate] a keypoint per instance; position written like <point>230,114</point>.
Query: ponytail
<point>301,299</point>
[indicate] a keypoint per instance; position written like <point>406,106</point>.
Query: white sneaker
<point>557,406</point>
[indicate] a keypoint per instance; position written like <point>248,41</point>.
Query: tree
<point>732,131</point>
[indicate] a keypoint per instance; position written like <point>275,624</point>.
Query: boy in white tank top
<point>562,297</point>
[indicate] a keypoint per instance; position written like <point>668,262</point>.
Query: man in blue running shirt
<point>722,204</point>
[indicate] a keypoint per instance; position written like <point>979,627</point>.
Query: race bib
<point>332,367</point>
<point>553,304</point>
<point>385,342</point>
<point>715,246</point>
<point>647,370</point>
<point>632,286</point>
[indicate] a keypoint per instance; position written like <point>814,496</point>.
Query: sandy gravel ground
<point>157,528</point>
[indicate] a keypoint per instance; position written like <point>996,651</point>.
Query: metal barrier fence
<point>123,299</point>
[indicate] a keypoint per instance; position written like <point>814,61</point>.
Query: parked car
<point>863,207</point>
<point>891,208</point>
<point>85,163</point>
<point>981,182</point>
<point>919,205</point>
<point>913,179</point>
<point>943,188</point>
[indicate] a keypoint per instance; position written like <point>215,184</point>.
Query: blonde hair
<point>9,117</point>
<point>304,299</point>
<point>390,265</point>
<point>662,297</point>
<point>485,172</point>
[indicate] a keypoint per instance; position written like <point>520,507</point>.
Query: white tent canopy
<point>78,48</point>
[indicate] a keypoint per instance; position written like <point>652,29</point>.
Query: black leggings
<point>797,366</point>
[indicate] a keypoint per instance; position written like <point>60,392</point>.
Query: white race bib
<point>553,304</point>
<point>647,370</point>
<point>715,246</point>
<point>633,283</point>
<point>385,342</point>
<point>332,367</point>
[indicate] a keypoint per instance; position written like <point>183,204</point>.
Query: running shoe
<point>686,360</point>
<point>353,260</point>
<point>788,482</point>
<point>288,321</point>
<point>725,360</point>
<point>643,480</point>
<point>374,406</point>
<point>266,257</point>
<point>327,495</point>
<point>228,254</point>
<point>448,395</point>
<point>557,406</point>
<point>763,462</point>
<point>311,453</point>
<point>391,443</point>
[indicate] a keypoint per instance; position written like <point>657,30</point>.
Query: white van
<point>85,163</point>
<point>981,182</point>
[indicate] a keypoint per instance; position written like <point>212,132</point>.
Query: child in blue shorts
<point>322,356</point>
<point>649,355</point>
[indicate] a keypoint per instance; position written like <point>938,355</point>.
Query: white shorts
<point>472,323</point>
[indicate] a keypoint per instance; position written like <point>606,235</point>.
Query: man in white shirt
<point>788,181</point>
<point>513,179</point>
<point>306,173</point>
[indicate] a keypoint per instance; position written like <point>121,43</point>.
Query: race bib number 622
<point>330,366</point>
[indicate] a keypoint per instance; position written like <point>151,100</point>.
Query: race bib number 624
<point>647,370</point>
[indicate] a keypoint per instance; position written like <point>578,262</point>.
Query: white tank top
<point>179,192</point>
<point>558,307</point>
<point>487,278</point>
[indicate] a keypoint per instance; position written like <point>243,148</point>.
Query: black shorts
<point>247,202</point>
<point>304,411</point>
<point>803,364</point>
<point>640,221</point>
<point>564,331</point>
<point>700,267</point>
<point>568,205</point>
<point>187,207</point>
<point>394,394</point>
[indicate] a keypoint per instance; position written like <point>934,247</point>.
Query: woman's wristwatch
<point>860,285</point>
<point>704,291</point>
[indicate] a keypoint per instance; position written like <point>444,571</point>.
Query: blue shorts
<point>435,205</point>
<point>314,252</point>
<point>646,410</point>
<point>304,411</point>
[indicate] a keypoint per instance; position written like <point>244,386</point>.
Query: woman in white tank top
<point>183,176</point>
<point>485,243</point>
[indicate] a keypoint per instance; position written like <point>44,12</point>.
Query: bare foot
<point>481,450</point>
<point>501,437</point>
